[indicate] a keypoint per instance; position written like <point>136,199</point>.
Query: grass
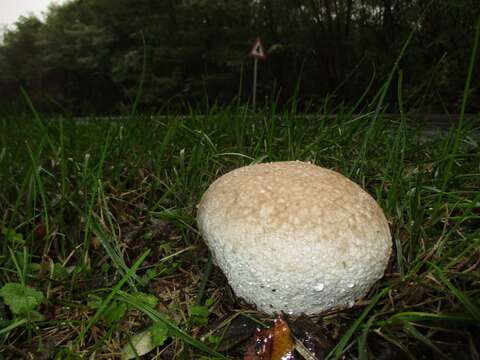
<point>82,201</point>
<point>99,240</point>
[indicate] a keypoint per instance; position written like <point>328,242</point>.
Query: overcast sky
<point>11,10</point>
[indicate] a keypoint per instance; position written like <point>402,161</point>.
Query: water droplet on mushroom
<point>319,287</point>
<point>350,285</point>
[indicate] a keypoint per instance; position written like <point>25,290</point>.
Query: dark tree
<point>89,56</point>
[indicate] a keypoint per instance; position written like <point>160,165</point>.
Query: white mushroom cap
<point>294,237</point>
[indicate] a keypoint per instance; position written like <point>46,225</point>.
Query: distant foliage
<point>88,56</point>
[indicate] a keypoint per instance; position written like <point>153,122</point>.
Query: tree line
<point>102,56</point>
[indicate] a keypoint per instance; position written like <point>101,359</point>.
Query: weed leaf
<point>114,312</point>
<point>146,341</point>
<point>199,314</point>
<point>22,300</point>
<point>139,345</point>
<point>159,332</point>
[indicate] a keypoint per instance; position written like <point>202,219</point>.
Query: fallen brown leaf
<point>274,343</point>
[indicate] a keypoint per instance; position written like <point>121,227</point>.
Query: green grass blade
<point>12,326</point>
<point>419,336</point>
<point>362,341</point>
<point>422,317</point>
<point>112,253</point>
<point>470,306</point>
<point>139,93</point>
<point>131,272</point>
<point>203,283</point>
<point>340,347</point>
<point>456,143</point>
<point>173,328</point>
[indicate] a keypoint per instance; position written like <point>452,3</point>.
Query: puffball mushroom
<point>294,237</point>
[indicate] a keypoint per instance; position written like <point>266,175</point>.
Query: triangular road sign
<point>257,50</point>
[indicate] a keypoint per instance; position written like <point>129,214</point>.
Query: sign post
<point>255,71</point>
<point>257,53</point>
